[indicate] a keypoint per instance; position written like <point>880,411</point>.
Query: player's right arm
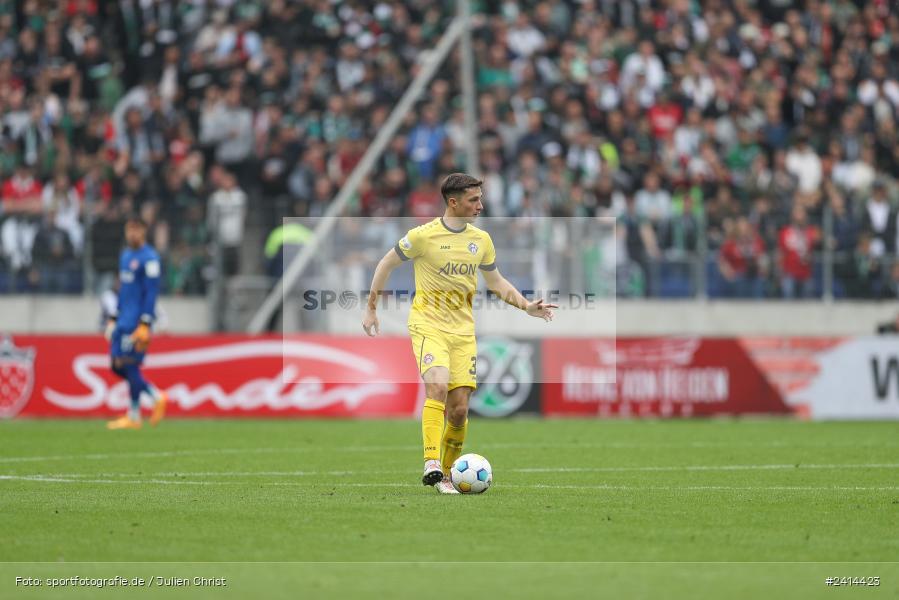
<point>385,267</point>
<point>411,246</point>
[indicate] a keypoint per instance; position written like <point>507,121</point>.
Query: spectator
<point>524,39</point>
<point>228,125</point>
<point>53,257</point>
<point>426,142</point>
<point>643,63</point>
<point>184,264</point>
<point>641,250</point>
<point>742,261</point>
<point>844,236</point>
<point>583,159</point>
<point>107,238</point>
<point>63,201</point>
<point>664,117</point>
<point>653,201</point>
<point>867,277</point>
<point>686,223</point>
<point>804,163</point>
<point>688,135</point>
<point>140,147</point>
<point>879,221</point>
<point>226,215</point>
<point>21,195</point>
<point>425,201</point>
<point>796,244</point>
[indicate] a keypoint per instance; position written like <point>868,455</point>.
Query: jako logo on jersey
<point>405,244</point>
<point>451,268</point>
<point>473,248</point>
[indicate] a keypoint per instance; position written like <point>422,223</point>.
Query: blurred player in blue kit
<point>128,330</point>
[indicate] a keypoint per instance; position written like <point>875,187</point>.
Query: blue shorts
<point>121,347</point>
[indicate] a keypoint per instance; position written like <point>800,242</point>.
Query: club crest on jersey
<point>473,248</point>
<point>134,264</point>
<point>405,244</point>
<point>427,358</point>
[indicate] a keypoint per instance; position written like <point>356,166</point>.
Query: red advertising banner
<point>208,376</point>
<point>360,377</point>
<point>653,377</point>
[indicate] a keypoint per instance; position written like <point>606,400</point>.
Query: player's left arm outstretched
<point>500,286</point>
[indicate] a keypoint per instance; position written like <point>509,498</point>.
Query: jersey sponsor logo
<point>452,268</point>
<point>152,268</point>
<point>126,276</point>
<point>16,377</point>
<point>405,244</point>
<point>126,344</point>
<point>473,248</point>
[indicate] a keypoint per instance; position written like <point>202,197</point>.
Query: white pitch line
<point>43,479</point>
<point>227,474</point>
<point>176,453</point>
<point>162,454</point>
<point>392,485</point>
<point>402,448</point>
<point>700,488</point>
<point>707,468</point>
<point>673,468</point>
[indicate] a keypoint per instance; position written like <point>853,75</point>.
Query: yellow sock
<point>431,428</point>
<point>453,437</point>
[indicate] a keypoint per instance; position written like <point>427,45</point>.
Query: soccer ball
<point>471,474</point>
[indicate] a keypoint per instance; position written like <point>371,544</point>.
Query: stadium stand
<point>747,149</point>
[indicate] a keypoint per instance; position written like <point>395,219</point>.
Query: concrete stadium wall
<point>81,314</point>
<point>753,318</point>
<point>652,317</point>
<point>77,314</point>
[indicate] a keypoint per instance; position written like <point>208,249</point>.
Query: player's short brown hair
<point>457,182</point>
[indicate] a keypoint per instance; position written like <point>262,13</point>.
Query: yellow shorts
<point>458,353</point>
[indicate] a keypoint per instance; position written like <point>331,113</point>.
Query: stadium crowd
<point>754,134</point>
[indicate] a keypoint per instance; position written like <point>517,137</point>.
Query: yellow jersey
<point>446,273</point>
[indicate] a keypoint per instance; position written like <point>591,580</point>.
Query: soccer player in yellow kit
<point>447,253</point>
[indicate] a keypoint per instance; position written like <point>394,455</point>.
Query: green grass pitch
<point>692,509</point>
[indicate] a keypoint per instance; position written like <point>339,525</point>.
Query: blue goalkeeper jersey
<point>139,272</point>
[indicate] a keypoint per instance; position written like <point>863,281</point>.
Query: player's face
<point>468,206</point>
<point>135,234</point>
